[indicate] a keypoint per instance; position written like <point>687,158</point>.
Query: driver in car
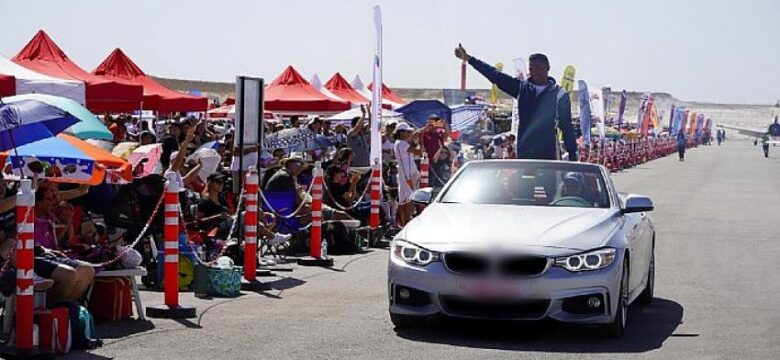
<point>573,191</point>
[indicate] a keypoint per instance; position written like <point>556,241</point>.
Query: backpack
<point>82,327</point>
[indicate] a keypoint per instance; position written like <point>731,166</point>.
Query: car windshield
<point>529,183</point>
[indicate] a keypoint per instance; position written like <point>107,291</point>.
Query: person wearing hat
<point>285,179</point>
<point>408,174</point>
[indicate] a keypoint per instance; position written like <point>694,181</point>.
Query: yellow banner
<point>494,89</point>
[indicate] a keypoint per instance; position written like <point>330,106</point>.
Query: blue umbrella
<point>26,121</point>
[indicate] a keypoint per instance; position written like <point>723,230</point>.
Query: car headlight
<point>590,260</point>
<point>413,254</point>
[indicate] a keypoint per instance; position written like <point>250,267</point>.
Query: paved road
<point>718,281</point>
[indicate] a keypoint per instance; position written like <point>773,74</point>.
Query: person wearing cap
<point>285,178</point>
<point>543,107</point>
<point>388,139</point>
<point>408,174</point>
<point>315,125</point>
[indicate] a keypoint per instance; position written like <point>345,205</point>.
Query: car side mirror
<point>422,196</point>
<point>637,203</point>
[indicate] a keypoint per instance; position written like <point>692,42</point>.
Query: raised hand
<point>461,53</point>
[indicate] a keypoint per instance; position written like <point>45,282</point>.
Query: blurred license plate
<point>489,288</point>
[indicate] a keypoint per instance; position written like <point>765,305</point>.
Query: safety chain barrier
<point>108,262</point>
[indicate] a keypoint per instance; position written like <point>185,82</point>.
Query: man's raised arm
<point>506,83</point>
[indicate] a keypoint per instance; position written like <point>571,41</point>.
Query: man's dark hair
<point>294,119</point>
<point>355,120</point>
<point>539,57</point>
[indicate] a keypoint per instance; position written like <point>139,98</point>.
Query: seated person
<point>342,193</point>
<point>71,277</point>
<point>573,191</point>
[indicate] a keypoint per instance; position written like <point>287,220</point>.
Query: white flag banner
<point>597,108</point>
<point>520,74</point>
<point>376,96</point>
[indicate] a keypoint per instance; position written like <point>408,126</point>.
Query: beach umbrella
<point>27,121</point>
<point>118,171</point>
<point>123,149</point>
<point>90,127</point>
<point>66,158</point>
<point>103,144</point>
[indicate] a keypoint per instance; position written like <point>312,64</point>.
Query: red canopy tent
<point>41,54</point>
<point>290,93</point>
<point>7,85</point>
<point>118,66</point>
<point>341,88</point>
<point>388,94</point>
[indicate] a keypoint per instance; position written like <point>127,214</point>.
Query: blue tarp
<point>417,112</point>
<point>465,117</point>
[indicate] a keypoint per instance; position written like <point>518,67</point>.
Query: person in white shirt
<point>408,174</point>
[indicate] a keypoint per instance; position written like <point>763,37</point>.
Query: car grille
<point>480,264</point>
<point>466,263</point>
<point>515,309</point>
<point>522,265</point>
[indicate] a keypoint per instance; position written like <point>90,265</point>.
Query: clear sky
<point>717,50</point>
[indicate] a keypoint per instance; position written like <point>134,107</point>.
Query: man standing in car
<point>543,107</point>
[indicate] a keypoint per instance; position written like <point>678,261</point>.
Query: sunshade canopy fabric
<point>291,93</point>
<point>417,112</point>
<point>388,94</point>
<point>31,82</point>
<point>7,85</point>
<point>118,66</point>
<point>341,88</point>
<point>41,54</point>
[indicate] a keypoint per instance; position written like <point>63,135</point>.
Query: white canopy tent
<point>31,82</point>
<point>362,89</point>
<point>317,84</point>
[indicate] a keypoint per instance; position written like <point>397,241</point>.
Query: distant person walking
<point>543,107</point>
<point>681,142</point>
<point>719,136</point>
<point>765,145</point>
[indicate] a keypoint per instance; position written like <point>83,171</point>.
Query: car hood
<point>535,229</point>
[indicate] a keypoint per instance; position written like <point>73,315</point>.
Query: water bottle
<point>324,250</point>
<point>36,336</point>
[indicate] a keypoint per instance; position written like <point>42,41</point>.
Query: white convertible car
<point>525,240</point>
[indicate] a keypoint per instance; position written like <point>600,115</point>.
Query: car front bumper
<point>549,295</point>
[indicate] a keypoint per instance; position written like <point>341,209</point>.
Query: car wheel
<point>406,321</point>
<point>646,297</point>
<point>617,328</point>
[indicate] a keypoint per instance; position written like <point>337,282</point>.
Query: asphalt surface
<point>718,287</point>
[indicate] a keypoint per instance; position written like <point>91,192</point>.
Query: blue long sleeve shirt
<point>537,136</point>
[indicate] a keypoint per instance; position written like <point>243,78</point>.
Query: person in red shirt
<point>118,129</point>
<point>434,135</point>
